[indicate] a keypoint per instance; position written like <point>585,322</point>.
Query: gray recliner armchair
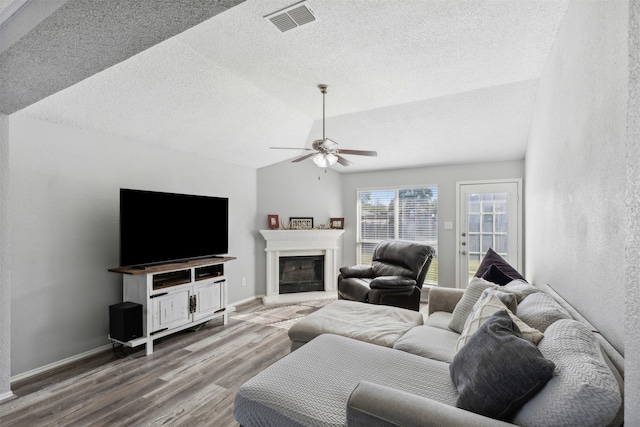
<point>395,276</point>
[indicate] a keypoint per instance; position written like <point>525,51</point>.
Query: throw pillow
<point>494,275</point>
<point>488,304</point>
<point>492,258</point>
<point>497,371</point>
<point>528,333</point>
<point>521,287</point>
<point>583,392</point>
<point>463,308</point>
<point>509,299</point>
<point>540,310</point>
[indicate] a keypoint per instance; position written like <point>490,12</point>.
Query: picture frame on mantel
<point>273,222</point>
<point>336,223</point>
<point>301,223</point>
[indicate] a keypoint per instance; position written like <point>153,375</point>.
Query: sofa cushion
<point>439,319</point>
<point>540,310</point>
<point>429,341</point>
<point>472,293</point>
<point>497,371</point>
<point>583,391</point>
<point>505,269</point>
<point>377,324</point>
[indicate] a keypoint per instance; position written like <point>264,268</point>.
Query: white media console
<point>175,296</point>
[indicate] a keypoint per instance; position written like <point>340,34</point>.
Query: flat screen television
<point>158,228</point>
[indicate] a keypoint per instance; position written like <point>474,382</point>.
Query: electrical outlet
<point>244,281</point>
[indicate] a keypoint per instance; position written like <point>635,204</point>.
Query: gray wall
<point>575,179</point>
<point>64,223</point>
<point>290,189</point>
<point>5,285</point>
<point>445,177</point>
<point>632,223</point>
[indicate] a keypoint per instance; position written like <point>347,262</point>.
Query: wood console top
<point>172,266</point>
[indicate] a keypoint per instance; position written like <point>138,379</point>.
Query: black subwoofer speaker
<point>125,321</point>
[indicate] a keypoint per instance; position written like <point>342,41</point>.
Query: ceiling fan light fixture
<point>325,160</point>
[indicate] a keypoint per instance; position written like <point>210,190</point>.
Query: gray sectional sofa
<point>560,372</point>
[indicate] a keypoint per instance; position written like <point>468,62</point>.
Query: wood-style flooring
<point>190,379</point>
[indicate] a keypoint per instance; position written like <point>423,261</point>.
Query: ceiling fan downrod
<point>323,89</point>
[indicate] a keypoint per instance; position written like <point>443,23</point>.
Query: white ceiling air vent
<point>291,17</point>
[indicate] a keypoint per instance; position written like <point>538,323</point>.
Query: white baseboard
<point>244,301</point>
<point>6,396</point>
<point>230,308</point>
<point>59,363</point>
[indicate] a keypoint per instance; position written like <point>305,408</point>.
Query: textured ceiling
<point>422,82</point>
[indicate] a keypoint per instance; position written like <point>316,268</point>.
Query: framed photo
<point>336,223</point>
<point>300,223</point>
<point>274,224</point>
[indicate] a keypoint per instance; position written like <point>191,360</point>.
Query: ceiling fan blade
<point>343,161</point>
<point>357,152</point>
<point>301,158</point>
<point>290,148</point>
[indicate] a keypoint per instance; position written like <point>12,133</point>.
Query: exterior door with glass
<point>489,216</point>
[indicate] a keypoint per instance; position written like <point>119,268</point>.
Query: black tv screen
<point>158,227</point>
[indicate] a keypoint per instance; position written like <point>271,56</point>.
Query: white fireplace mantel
<point>300,243</point>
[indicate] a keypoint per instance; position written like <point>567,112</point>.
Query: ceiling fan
<point>326,152</point>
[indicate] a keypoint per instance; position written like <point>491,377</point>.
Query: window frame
<point>432,276</point>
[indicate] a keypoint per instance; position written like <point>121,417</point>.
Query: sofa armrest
<point>444,299</point>
<point>392,282</point>
<point>374,405</point>
<point>360,271</point>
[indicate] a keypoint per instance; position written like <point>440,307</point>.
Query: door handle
<point>463,252</point>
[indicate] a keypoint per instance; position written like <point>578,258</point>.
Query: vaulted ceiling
<point>422,82</point>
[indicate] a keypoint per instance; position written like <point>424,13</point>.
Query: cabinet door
<point>170,311</point>
<point>208,299</point>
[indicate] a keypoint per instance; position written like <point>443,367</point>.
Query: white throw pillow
<point>483,309</point>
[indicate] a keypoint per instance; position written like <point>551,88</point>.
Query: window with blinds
<point>409,213</point>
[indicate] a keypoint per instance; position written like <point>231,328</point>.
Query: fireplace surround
<point>300,243</point>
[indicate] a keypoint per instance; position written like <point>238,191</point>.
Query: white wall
<point>5,285</point>
<point>575,179</point>
<point>445,177</point>
<point>64,225</point>
<point>293,190</point>
<point>632,223</point>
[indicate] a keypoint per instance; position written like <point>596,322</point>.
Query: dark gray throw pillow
<point>495,275</point>
<point>490,259</point>
<point>497,370</point>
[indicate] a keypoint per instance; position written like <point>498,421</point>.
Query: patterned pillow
<point>497,371</point>
<point>583,391</point>
<point>509,299</point>
<point>471,294</point>
<point>483,309</point>
<point>540,311</point>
